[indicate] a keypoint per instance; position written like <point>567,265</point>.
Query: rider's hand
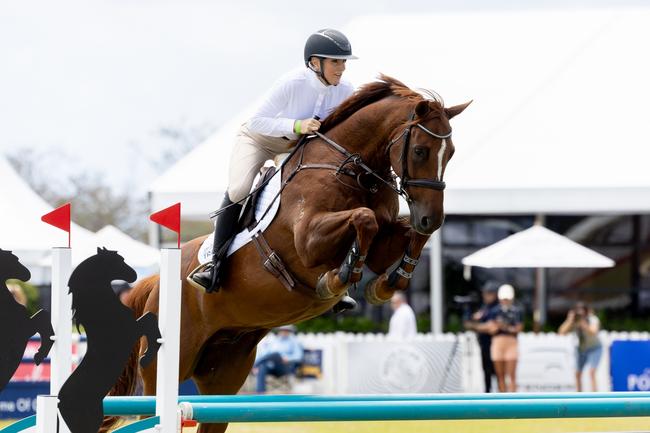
<point>307,126</point>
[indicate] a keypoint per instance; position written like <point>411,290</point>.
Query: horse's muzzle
<point>426,224</point>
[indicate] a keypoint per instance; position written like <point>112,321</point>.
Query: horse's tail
<point>127,382</point>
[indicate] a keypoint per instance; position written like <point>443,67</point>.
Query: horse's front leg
<point>382,288</point>
<point>321,235</point>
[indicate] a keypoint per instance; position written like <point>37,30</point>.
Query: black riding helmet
<point>327,43</point>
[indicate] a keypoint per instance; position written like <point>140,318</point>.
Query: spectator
<point>121,289</point>
<point>277,355</point>
<point>402,323</point>
<point>582,320</point>
<point>479,322</point>
<point>505,325</point>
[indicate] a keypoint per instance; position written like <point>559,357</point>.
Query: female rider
<point>288,111</point>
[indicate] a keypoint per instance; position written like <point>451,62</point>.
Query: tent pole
<point>435,281</point>
<point>539,313</point>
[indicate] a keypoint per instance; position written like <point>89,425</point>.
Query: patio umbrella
<point>537,247</point>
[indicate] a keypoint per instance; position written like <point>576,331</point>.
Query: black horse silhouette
<point>15,323</point>
<point>112,331</point>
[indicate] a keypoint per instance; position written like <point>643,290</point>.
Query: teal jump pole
<point>416,410</point>
<point>146,405</point>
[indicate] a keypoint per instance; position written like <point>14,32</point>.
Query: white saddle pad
<point>245,236</point>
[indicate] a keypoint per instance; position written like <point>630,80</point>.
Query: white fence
<point>375,363</point>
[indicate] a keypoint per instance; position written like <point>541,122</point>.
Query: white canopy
<point>537,247</point>
<point>558,123</point>
<point>21,228</point>
<point>135,253</point>
<point>23,232</point>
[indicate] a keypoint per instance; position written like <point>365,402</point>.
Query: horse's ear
<point>99,250</point>
<point>422,109</point>
<point>456,109</point>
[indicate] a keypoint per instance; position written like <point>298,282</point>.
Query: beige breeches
<point>249,154</point>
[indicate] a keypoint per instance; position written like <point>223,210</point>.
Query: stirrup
<point>200,268</point>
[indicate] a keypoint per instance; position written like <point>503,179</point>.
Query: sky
<point>97,80</point>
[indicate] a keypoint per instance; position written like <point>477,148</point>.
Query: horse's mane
<point>372,92</point>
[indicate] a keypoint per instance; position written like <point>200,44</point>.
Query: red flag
<point>59,218</point>
<point>170,218</point>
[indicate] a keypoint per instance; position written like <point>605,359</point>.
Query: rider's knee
<point>237,192</point>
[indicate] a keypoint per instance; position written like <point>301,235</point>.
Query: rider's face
<point>332,69</point>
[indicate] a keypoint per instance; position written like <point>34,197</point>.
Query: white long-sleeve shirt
<point>297,95</point>
<point>402,323</point>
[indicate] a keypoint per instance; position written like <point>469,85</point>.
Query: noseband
<point>406,180</point>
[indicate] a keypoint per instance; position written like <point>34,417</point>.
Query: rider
<point>289,110</point>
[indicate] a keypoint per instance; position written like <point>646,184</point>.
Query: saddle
<point>271,260</point>
<point>248,221</point>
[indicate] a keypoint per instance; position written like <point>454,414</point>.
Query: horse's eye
<point>420,152</point>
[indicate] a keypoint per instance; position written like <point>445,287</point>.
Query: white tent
<point>135,253</point>
<point>199,179</point>
<point>21,228</point>
<point>537,247</point>
<point>143,258</point>
<point>558,120</point>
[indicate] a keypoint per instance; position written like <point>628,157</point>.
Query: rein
<point>406,180</point>
<point>355,159</point>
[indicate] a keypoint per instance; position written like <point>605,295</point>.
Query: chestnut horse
<point>338,211</point>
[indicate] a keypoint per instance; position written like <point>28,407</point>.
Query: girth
<point>273,264</point>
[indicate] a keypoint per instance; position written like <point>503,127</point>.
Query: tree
<point>96,203</point>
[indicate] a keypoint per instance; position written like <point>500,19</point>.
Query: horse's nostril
<point>425,221</point>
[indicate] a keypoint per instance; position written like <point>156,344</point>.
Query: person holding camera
<point>507,323</point>
<point>582,320</point>
<point>479,323</point>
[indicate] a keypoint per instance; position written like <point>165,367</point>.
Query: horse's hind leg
<point>320,236</point>
<point>223,368</point>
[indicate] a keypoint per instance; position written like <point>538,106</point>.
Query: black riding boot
<point>225,227</point>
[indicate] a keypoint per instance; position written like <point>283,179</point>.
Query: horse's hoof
<point>370,293</point>
<point>347,303</point>
<point>322,290</point>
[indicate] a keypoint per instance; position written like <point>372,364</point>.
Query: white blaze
<point>441,154</point>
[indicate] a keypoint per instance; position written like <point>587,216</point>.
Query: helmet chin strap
<point>320,73</point>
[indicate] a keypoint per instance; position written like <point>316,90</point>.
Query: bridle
<point>406,180</point>
<point>355,159</point>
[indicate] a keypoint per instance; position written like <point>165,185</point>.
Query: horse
<point>112,332</point>
<point>16,323</point>
<point>338,212</point>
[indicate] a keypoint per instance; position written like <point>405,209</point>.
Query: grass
<point>583,425</point>
<point>475,426</point>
